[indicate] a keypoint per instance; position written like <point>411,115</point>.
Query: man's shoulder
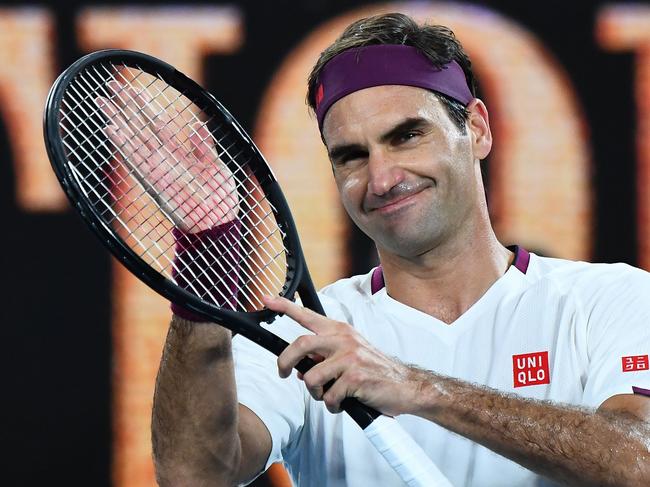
<point>353,287</point>
<point>552,267</point>
<point>341,296</point>
<point>587,278</point>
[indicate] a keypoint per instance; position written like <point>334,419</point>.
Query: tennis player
<point>508,368</point>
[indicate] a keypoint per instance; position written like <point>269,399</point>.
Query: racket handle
<point>363,415</point>
<point>401,452</point>
<point>397,447</point>
<point>404,455</point>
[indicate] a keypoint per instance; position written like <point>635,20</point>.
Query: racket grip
<point>397,447</point>
<point>403,454</point>
<point>363,415</point>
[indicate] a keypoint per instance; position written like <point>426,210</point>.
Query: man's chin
<point>406,245</point>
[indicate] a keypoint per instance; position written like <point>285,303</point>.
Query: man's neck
<point>449,279</point>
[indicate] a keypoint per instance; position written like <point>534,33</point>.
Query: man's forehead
<point>379,108</point>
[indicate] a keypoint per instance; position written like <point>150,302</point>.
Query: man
<point>508,368</point>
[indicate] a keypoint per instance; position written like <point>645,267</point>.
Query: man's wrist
<point>426,392</point>
<point>202,341</point>
<point>202,332</point>
<point>207,263</point>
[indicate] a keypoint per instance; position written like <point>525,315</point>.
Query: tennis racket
<point>178,192</point>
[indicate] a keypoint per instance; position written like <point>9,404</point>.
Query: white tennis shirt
<point>568,332</point>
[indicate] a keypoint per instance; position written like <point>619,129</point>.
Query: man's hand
<point>356,368</point>
<point>176,162</point>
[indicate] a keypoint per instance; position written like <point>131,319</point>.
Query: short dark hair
<point>436,42</point>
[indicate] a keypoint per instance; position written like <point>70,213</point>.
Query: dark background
<point>56,279</point>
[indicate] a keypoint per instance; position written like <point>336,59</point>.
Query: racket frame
<point>239,321</point>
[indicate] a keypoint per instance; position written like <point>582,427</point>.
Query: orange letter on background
<point>627,28</point>
<point>27,60</point>
<point>181,36</point>
<point>540,167</point>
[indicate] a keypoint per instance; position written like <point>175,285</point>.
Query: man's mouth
<point>403,198</point>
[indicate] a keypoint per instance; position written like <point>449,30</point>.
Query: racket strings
<point>261,219</point>
<point>205,292</point>
<point>173,166</point>
<point>222,150</point>
<point>253,249</point>
<point>142,208</point>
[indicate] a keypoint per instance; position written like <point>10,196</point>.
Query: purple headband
<point>386,64</point>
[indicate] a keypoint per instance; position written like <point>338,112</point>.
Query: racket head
<point>108,191</point>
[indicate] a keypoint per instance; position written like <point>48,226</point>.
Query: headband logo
<point>320,94</point>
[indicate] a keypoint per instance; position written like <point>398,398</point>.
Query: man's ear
<point>478,124</point>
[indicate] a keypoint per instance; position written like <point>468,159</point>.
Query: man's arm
<point>201,435</point>
<point>575,446</point>
<point>570,445</point>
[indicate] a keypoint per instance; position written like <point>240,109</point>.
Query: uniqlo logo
<point>635,362</point>
<point>530,369</point>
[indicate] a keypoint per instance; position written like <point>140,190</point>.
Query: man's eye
<point>406,136</point>
<point>352,156</point>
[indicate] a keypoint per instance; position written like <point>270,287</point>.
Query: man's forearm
<point>194,423</point>
<point>568,444</point>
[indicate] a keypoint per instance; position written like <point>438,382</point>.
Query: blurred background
<point>568,88</point>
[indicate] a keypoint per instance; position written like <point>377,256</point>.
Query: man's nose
<point>383,173</point>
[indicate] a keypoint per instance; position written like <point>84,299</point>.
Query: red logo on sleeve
<point>635,363</point>
<point>530,369</point>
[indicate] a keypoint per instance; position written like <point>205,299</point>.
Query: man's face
<point>406,174</point>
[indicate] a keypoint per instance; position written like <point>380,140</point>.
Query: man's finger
<point>115,116</point>
<point>143,161</point>
<point>309,319</point>
<point>138,116</point>
<point>304,346</point>
<point>319,377</point>
<point>203,144</point>
<point>136,158</point>
<point>337,393</point>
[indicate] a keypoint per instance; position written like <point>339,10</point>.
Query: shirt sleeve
<point>279,403</point>
<point>618,335</point>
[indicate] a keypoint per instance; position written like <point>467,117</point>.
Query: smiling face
<point>407,176</point>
